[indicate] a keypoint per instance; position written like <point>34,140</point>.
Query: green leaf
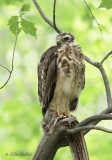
<point>13,21</point>
<point>25,8</point>
<point>28,27</point>
<point>106,4</point>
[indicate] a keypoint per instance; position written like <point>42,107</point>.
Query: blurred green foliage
<point>106,4</point>
<point>20,111</point>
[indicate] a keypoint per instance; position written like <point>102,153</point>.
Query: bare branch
<point>5,68</point>
<point>89,60</point>
<point>107,55</point>
<point>95,118</point>
<point>94,18</point>
<point>12,63</point>
<point>43,15</point>
<point>51,140</point>
<point>14,48</point>
<point>107,86</point>
<point>10,73</point>
<point>103,73</point>
<point>90,127</point>
<point>48,142</point>
<point>106,111</point>
<point>54,17</point>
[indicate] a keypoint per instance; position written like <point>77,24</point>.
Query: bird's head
<point>64,38</point>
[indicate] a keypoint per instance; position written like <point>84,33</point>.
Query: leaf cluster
<point>23,25</point>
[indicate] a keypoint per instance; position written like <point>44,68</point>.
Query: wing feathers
<point>47,77</point>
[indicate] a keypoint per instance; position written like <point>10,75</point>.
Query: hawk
<point>61,77</point>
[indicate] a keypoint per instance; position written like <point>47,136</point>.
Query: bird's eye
<point>66,38</point>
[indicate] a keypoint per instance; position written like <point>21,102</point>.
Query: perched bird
<point>61,78</point>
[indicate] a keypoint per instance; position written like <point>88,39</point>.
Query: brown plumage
<point>61,77</point>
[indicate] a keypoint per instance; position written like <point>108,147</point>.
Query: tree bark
<point>78,145</point>
<point>51,142</point>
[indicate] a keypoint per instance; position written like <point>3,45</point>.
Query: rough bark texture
<point>59,137</point>
<point>78,145</point>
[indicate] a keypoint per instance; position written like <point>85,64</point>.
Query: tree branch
<point>107,55</point>
<point>106,83</point>
<point>47,147</point>
<point>77,144</point>
<point>90,127</point>
<point>54,17</point>
<point>106,111</point>
<point>103,73</point>
<point>50,141</point>
<point>44,17</point>
<point>94,18</point>
<point>89,60</point>
<point>95,118</point>
<point>12,63</point>
<point>5,68</point>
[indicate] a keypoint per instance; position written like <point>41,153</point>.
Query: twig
<point>5,68</point>
<point>90,127</point>
<point>94,18</point>
<point>43,15</point>
<point>12,63</point>
<point>54,17</point>
<point>10,73</point>
<point>107,55</point>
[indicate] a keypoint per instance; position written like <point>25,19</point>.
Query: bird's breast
<point>71,69</point>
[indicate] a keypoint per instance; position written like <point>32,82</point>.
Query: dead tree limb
<point>77,144</point>
<point>68,131</point>
<point>50,142</point>
<point>47,147</point>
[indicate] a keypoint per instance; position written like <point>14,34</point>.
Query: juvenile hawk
<point>61,77</point>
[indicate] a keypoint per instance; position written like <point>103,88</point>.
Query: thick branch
<point>77,144</point>
<point>50,142</point>
<point>48,146</point>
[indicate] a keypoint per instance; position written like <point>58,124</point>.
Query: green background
<point>20,111</point>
